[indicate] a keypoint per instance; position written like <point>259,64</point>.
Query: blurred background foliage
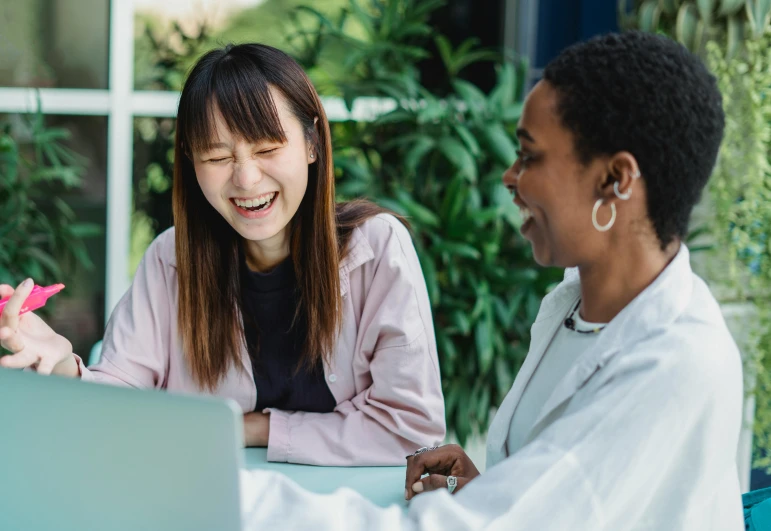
<point>40,237</point>
<point>734,38</point>
<point>436,156</point>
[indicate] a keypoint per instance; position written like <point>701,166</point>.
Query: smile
<point>261,202</point>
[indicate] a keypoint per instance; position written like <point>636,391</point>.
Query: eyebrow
<point>522,133</point>
<point>217,145</point>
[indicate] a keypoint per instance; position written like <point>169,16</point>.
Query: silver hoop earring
<point>603,228</point>
<point>625,196</point>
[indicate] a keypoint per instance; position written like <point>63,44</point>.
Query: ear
<point>622,172</point>
<point>312,155</point>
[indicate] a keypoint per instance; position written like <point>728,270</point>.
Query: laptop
<point>84,456</point>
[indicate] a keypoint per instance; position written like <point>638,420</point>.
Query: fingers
<point>436,482</point>
<point>6,291</point>
<point>11,339</point>
<point>10,316</point>
<point>429,483</point>
<point>439,461</point>
<point>46,366</point>
<point>20,360</point>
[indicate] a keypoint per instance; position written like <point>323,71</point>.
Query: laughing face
<point>257,186</point>
<point>553,189</point>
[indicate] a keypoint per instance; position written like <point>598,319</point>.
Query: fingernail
<point>417,487</point>
<point>406,494</point>
<point>27,283</point>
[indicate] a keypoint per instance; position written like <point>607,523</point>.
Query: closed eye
<point>217,160</point>
<point>523,157</point>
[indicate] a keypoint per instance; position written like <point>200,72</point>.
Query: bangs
<point>238,88</point>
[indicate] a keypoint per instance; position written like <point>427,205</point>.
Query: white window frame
<point>120,104</point>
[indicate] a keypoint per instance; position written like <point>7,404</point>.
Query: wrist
<point>68,367</point>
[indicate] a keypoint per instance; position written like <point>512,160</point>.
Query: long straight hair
<point>236,80</point>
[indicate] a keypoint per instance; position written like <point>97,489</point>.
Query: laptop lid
<point>84,456</point>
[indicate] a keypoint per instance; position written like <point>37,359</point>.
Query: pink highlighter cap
<point>37,298</point>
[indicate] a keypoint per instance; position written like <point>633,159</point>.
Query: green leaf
<point>468,138</point>
<point>503,378</point>
<point>429,273</point>
<point>758,15</point>
<point>415,154</point>
<point>505,90</point>
<point>500,143</point>
<point>445,50</point>
<point>461,322</point>
<point>730,7</point>
<point>462,422</point>
<point>45,260</point>
<point>706,8</point>
<point>484,344</point>
<point>649,14</point>
<point>85,230</point>
<point>454,199</point>
<point>483,405</point>
<point>512,113</point>
<point>686,25</point>
<point>459,156</point>
<point>415,210</point>
<point>473,98</point>
<point>459,249</point>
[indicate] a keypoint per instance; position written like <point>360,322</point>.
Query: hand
<point>449,460</point>
<point>256,429</point>
<point>31,341</point>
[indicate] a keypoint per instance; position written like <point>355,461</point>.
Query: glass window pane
<point>78,312</point>
<point>54,43</point>
<point>171,35</point>
<point>152,178</point>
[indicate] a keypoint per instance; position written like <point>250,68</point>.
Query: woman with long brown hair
<point>313,316</point>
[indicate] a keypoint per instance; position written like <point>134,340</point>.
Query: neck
<point>264,255</point>
<point>608,285</point>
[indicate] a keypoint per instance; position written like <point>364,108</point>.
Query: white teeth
<point>251,203</point>
<point>525,214</point>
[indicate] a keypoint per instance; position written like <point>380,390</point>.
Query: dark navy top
<point>275,343</point>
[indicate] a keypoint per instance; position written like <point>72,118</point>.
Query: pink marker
<point>37,299</point>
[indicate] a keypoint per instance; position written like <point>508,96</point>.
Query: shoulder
<point>696,352</point>
<point>386,236</point>
<point>162,250</point>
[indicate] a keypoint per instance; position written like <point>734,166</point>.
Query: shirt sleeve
<point>136,344</point>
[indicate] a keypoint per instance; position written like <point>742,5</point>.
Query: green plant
<point>439,161</point>
<point>696,22</point>
<point>40,236</point>
<point>741,190</point>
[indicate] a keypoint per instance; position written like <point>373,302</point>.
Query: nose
<point>511,176</point>
<point>246,175</point>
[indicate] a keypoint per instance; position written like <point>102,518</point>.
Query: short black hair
<point>650,96</point>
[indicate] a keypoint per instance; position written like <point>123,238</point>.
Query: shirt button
<point>333,378</point>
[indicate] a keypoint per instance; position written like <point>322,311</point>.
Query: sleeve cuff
<point>83,372</point>
<point>278,438</point>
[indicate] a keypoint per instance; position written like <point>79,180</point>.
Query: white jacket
<point>641,433</point>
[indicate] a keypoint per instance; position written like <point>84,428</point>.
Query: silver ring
<point>452,482</point>
<point>421,451</point>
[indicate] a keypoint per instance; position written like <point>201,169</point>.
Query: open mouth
<point>258,204</point>
<point>525,214</point>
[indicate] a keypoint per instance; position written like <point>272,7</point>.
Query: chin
<point>542,256</point>
<point>257,235</point>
